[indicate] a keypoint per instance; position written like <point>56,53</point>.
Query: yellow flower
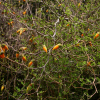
<point>29,87</point>
<point>79,4</point>
<point>23,48</point>
<point>21,30</point>
<point>2,87</point>
<point>11,22</point>
<point>59,5</point>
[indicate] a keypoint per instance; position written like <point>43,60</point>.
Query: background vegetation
<point>70,72</point>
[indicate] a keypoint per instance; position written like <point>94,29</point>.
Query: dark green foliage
<point>72,72</point>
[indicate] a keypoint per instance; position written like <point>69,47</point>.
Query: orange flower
<point>88,63</point>
<point>4,47</point>
<point>35,43</point>
<point>2,55</point>
<point>96,35</point>
<point>56,47</point>
<point>88,29</point>
<point>17,55</point>
<point>82,35</point>
<point>0,2</point>
<point>8,23</point>
<point>11,22</point>
<point>17,31</point>
<point>59,5</point>
<point>30,40</point>
<point>45,48</point>
<point>13,12</point>
<point>2,87</point>
<point>67,25</point>
<point>47,10</point>
<point>24,30</point>
<point>90,43</point>
<point>2,12</point>
<point>24,12</point>
<point>24,58</point>
<point>24,0</point>
<point>77,45</point>
<point>3,50</point>
<point>30,63</point>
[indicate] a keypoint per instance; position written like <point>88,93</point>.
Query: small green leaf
<point>4,10</point>
<point>15,94</point>
<point>84,63</point>
<point>18,89</point>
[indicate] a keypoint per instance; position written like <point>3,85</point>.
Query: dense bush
<point>32,68</point>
